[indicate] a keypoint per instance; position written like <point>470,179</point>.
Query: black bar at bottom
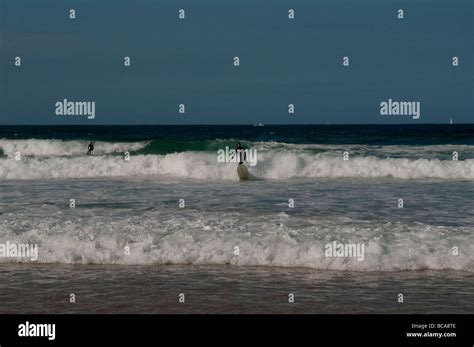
<point>385,330</point>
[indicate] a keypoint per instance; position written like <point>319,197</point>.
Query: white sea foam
<point>206,238</point>
<point>49,148</point>
<point>276,165</point>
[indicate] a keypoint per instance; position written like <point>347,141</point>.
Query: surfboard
<point>242,172</point>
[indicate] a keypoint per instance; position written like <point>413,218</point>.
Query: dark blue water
<point>297,134</point>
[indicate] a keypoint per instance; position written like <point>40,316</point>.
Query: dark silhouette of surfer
<point>242,155</point>
<point>90,148</point>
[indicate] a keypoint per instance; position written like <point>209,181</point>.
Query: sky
<point>282,61</point>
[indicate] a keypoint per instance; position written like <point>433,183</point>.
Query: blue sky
<point>191,61</point>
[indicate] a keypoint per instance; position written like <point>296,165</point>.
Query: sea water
<point>173,208</point>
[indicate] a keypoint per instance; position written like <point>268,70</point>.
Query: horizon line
<point>250,124</point>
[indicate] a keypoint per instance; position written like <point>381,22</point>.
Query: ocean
<point>173,220</point>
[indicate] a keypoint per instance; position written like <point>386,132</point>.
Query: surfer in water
<point>240,152</point>
<point>90,148</point>
<point>242,171</point>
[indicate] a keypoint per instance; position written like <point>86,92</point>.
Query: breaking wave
<point>46,159</point>
<point>263,240</point>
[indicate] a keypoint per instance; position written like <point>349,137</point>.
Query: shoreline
<point>125,289</point>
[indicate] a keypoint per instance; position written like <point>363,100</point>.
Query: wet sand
<point>46,288</point>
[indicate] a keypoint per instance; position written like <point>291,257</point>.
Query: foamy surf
<point>276,165</point>
<point>51,148</point>
<point>206,238</point>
